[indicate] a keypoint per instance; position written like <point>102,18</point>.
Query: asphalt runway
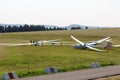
<point>88,74</point>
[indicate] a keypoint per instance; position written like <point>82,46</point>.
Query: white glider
<point>90,45</point>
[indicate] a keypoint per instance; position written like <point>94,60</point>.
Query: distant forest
<point>27,28</point>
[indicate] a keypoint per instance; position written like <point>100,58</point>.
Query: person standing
<point>108,46</point>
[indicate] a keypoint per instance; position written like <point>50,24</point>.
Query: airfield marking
<point>88,74</point>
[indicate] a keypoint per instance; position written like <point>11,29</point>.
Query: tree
<point>26,27</point>
<point>15,28</point>
<point>9,29</point>
<point>1,29</point>
<point>86,27</point>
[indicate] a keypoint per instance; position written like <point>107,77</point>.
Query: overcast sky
<point>61,12</point>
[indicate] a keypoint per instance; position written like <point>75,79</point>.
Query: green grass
<point>32,60</point>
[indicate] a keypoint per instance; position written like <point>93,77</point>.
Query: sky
<point>61,12</point>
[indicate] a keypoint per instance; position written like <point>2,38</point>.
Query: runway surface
<point>88,74</point>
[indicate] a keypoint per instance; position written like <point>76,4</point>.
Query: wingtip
<point>71,36</point>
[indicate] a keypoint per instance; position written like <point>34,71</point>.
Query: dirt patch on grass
<point>3,52</point>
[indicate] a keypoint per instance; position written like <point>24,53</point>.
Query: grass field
<point>32,60</point>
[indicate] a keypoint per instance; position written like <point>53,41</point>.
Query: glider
<point>33,42</point>
<point>90,45</point>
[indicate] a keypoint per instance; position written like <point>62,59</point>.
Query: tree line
<point>27,28</point>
